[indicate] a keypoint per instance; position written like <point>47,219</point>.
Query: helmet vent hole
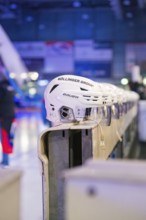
<point>64,114</point>
<point>87,96</point>
<point>53,87</point>
<point>88,111</point>
<point>83,89</point>
<point>65,109</point>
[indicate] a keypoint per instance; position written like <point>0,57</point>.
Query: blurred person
<point>7,117</point>
<point>139,88</point>
<point>44,114</point>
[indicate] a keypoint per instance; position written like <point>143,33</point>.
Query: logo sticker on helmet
<point>75,80</point>
<point>72,96</point>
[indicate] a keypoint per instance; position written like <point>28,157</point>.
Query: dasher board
<point>110,133</point>
<point>68,145</point>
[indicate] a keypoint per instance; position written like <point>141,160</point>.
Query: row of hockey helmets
<point>71,98</point>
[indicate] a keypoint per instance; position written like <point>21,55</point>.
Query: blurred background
<point>101,39</point>
<point>104,40</point>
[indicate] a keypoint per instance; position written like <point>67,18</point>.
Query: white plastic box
<point>114,190</point>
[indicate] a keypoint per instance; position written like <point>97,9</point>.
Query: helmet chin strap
<point>102,140</point>
<point>117,132</point>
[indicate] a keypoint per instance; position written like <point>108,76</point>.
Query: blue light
<point>85,16</point>
<point>126,2</point>
<point>29,18</point>
<point>13,6</point>
<point>76,4</point>
<point>41,26</point>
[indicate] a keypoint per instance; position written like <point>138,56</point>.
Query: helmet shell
<point>72,93</point>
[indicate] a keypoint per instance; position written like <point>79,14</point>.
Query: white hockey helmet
<point>112,91</point>
<point>70,98</point>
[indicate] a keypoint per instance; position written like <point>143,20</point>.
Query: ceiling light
<point>126,2</point>
<point>43,82</point>
<point>85,16</point>
<point>13,6</point>
<point>29,18</point>
<point>24,75</point>
<point>32,91</point>
<point>12,75</point>
<point>33,75</point>
<point>124,81</point>
<point>76,4</point>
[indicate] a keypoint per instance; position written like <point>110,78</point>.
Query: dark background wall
<point>71,24</point>
<point>98,23</point>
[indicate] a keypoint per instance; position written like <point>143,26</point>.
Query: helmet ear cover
<point>66,114</point>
